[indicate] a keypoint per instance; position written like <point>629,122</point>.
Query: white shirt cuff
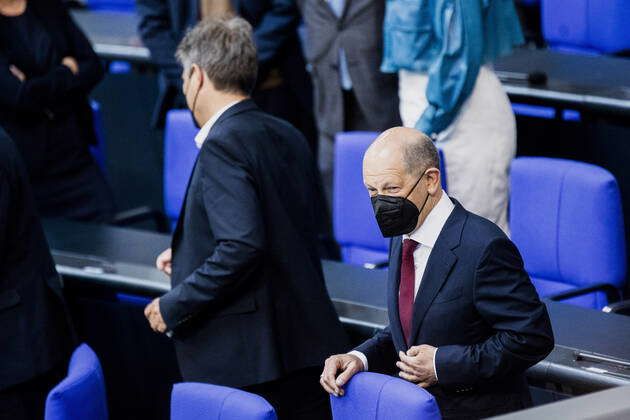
<point>362,357</point>
<point>434,369</point>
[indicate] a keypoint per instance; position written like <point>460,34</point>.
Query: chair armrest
<point>622,307</point>
<point>376,265</point>
<point>612,294</point>
<point>141,214</point>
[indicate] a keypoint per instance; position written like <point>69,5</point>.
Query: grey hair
<point>224,48</point>
<point>420,154</point>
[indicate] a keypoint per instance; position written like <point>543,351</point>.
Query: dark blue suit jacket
<point>249,303</point>
<point>477,305</point>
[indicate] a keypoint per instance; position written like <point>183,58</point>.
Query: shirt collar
<point>429,231</point>
<point>205,130</point>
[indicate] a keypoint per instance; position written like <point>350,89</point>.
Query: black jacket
<point>249,303</point>
<point>163,24</point>
<point>36,333</point>
<point>26,108</point>
<point>477,305</point>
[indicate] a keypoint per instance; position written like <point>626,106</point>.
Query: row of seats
<point>568,239</point>
<point>369,396</point>
<point>590,27</point>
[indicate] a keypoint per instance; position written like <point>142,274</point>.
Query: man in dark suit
<point>283,88</point>
<point>248,307</point>
<point>465,319</point>
<point>344,49</point>
<point>37,338</point>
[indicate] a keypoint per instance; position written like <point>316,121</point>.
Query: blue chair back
<point>586,26</point>
<point>81,395</point>
<point>180,153</point>
<point>372,396</point>
<point>98,150</point>
<point>195,401</point>
<point>112,5</point>
<point>354,225</point>
<point>566,220</point>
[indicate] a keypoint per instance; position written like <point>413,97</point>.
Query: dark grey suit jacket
<point>36,329</point>
<point>249,304</point>
<point>359,32</point>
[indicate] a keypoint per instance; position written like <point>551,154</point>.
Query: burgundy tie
<point>407,287</point>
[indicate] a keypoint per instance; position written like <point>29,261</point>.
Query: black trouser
<point>27,401</point>
<point>298,396</point>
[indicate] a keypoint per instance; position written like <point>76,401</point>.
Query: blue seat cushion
<point>196,401</point>
<point>81,395</point>
<point>545,288</point>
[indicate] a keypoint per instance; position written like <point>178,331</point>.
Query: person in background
<point>465,321</point>
<point>283,88</point>
<point>248,307</point>
<point>37,336</point>
<point>344,50</point>
<point>47,70</point>
<point>443,52</point>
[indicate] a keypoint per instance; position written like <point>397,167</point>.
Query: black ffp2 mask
<point>396,215</point>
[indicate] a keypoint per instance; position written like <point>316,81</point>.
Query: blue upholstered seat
<point>112,5</point>
<point>196,401</point>
<point>354,225</point>
<point>98,150</point>
<point>180,153</point>
<point>586,26</point>
<point>566,220</point>
<point>81,395</point>
<point>372,396</point>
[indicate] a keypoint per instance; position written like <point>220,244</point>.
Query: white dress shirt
<point>205,130</point>
<point>426,235</point>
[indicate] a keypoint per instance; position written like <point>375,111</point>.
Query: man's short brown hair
<point>224,48</point>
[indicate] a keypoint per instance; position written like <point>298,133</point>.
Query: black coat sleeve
<point>54,89</point>
<point>380,352</point>
<point>506,299</point>
<point>233,208</point>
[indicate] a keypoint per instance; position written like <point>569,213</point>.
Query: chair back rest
<point>81,395</point>
<point>567,222</point>
<point>191,401</point>
<point>180,153</point>
<point>586,26</point>
<point>372,396</point>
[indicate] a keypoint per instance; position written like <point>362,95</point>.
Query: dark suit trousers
<point>297,396</point>
<point>27,401</point>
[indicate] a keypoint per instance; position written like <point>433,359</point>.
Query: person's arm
<point>34,94</point>
<point>276,26</point>
<point>156,31</point>
<point>379,352</point>
<point>91,70</point>
<point>234,214</point>
<point>506,300</point>
<point>453,75</point>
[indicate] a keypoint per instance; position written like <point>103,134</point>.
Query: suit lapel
<point>394,282</point>
<point>439,265</point>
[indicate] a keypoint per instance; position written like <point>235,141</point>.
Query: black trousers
<point>298,396</point>
<point>27,401</point>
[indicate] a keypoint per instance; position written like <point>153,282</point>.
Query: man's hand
<point>347,364</point>
<point>153,315</point>
<point>417,365</point>
<point>163,262</point>
<point>17,73</point>
<point>71,63</point>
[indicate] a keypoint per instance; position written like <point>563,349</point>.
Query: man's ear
<point>433,176</point>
